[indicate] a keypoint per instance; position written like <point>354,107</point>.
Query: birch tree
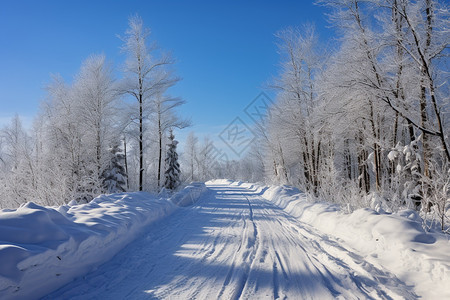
<point>145,77</point>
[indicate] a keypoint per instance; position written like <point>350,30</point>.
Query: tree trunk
<point>126,160</point>
<point>160,150</point>
<point>141,124</point>
<point>375,150</point>
<point>98,150</point>
<point>283,166</point>
<point>141,145</point>
<point>364,179</point>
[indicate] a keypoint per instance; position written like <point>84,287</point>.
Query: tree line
<point>365,124</point>
<point>361,123</point>
<point>97,134</point>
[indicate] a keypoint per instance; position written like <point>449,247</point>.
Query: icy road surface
<point>233,244</point>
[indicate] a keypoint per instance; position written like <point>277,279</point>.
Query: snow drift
<point>43,248</point>
<point>396,241</point>
<point>189,194</point>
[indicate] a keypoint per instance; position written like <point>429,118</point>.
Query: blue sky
<point>225,50</point>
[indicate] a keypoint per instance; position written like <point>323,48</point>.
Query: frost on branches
<point>115,174</point>
<point>172,166</point>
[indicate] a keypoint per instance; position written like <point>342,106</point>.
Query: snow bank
<point>220,182</point>
<point>189,195</point>
<point>43,248</point>
<point>253,187</point>
<point>396,241</point>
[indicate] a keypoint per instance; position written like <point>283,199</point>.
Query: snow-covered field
<point>237,241</point>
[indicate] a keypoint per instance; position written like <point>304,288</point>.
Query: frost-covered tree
<point>386,78</point>
<point>209,160</point>
<point>366,124</point>
<point>114,175</point>
<point>292,134</point>
<point>190,156</point>
<point>145,78</point>
<point>63,136</point>
<point>96,96</point>
<point>17,168</point>
<point>166,118</point>
<point>78,127</point>
<point>66,155</point>
<point>172,174</point>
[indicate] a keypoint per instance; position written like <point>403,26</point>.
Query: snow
<point>392,155</point>
<point>397,242</point>
<point>235,240</point>
<point>189,194</point>
<point>43,248</point>
<point>234,243</point>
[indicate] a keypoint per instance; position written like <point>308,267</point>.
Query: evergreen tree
<point>114,176</point>
<point>172,173</point>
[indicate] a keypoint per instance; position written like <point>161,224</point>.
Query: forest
<point>361,120</point>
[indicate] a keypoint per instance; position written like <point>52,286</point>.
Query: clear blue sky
<point>225,50</point>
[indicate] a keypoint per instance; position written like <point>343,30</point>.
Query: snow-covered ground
<point>394,242</point>
<point>237,241</point>
<point>43,248</point>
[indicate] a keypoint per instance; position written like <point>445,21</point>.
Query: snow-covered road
<point>233,244</point>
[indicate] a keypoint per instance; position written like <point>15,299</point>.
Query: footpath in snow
<point>237,241</point>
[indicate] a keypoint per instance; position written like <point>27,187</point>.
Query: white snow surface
<point>43,248</point>
<point>238,241</point>
<point>189,195</point>
<point>395,242</point>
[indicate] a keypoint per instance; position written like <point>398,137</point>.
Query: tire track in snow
<point>245,256</point>
<point>281,266</point>
<point>237,243</point>
<point>341,267</point>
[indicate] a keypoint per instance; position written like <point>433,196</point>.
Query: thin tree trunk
<point>392,168</point>
<point>316,169</point>
<point>375,149</point>
<point>423,123</point>
<point>160,150</point>
<point>126,160</point>
<point>283,166</point>
<point>98,150</point>
<point>141,145</point>
<point>306,165</point>
<point>364,179</point>
<point>141,126</point>
<point>348,160</point>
